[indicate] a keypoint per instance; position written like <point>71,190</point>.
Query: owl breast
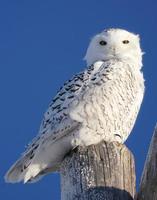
<point>109,107</point>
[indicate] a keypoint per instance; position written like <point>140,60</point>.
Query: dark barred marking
<point>118,135</point>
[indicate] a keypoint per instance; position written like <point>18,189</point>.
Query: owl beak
<point>113,50</point>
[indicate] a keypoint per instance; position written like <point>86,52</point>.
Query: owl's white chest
<point>109,106</point>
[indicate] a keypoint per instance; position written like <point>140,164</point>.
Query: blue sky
<point>42,44</point>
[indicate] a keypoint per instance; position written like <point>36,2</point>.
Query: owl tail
<point>31,174</point>
<point>17,172</point>
<point>25,170</point>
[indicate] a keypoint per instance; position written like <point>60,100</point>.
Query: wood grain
<point>105,171</point>
<point>148,186</point>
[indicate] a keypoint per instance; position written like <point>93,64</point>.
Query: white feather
<point>100,103</point>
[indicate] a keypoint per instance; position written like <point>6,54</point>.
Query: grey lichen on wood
<point>105,171</point>
<point>148,186</point>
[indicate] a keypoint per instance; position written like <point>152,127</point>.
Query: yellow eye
<point>125,41</point>
<point>103,43</point>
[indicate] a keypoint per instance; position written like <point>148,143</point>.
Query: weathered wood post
<point>105,171</point>
<point>148,186</point>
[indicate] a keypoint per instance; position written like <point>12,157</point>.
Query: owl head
<point>114,43</point>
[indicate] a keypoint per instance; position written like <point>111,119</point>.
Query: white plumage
<point>100,103</point>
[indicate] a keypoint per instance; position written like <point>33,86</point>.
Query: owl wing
<point>56,122</point>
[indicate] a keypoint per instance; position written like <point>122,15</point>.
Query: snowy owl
<point>99,103</point>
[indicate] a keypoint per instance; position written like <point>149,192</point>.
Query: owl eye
<point>125,41</point>
<point>103,43</point>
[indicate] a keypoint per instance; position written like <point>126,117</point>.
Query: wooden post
<point>105,171</point>
<point>148,186</point>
